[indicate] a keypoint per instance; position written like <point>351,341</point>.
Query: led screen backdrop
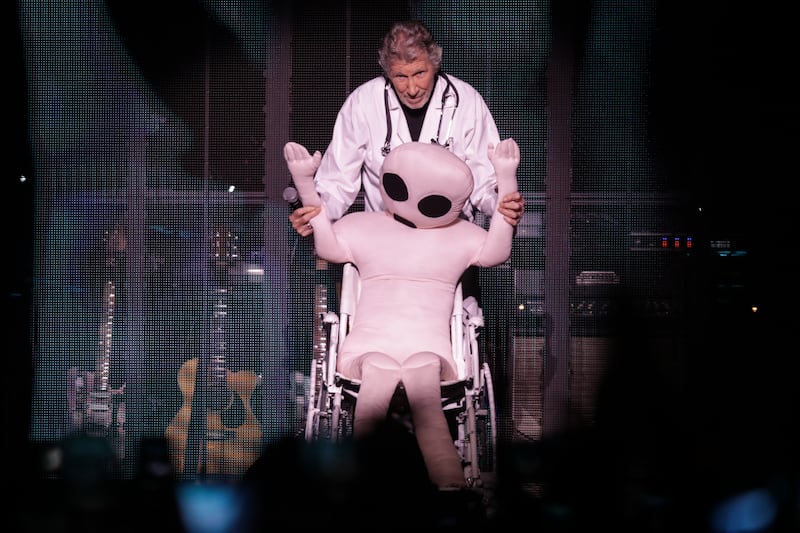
<point>164,263</point>
<point>161,263</point>
<point>164,256</point>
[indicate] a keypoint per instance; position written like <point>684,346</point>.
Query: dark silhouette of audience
<point>703,438</point>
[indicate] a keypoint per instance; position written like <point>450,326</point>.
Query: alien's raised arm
<point>302,166</point>
<point>505,158</point>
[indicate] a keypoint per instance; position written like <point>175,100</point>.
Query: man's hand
<point>512,207</point>
<point>301,218</point>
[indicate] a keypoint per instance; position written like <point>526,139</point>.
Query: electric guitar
<point>95,408</point>
<point>228,439</point>
<point>314,393</point>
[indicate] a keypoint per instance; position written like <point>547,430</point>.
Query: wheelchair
<point>468,402</point>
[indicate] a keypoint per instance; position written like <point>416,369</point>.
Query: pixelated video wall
<point>164,262</point>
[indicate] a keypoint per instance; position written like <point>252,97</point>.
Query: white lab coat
<point>354,154</point>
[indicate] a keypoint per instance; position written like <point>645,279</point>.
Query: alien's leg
<point>421,375</point>
<point>380,375</point>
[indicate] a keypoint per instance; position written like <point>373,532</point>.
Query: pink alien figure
<point>410,258</point>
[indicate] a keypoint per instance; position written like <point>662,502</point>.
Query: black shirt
<point>415,118</point>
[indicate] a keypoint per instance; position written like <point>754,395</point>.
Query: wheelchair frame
<point>468,402</point>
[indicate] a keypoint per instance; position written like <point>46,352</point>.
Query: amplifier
<point>526,387</point>
<point>588,362</point>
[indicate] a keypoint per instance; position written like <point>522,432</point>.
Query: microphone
<point>292,198</point>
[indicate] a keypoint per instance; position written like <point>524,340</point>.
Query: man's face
<point>413,82</point>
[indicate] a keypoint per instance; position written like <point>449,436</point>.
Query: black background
<point>725,125</point>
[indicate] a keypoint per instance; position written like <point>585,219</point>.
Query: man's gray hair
<point>408,41</point>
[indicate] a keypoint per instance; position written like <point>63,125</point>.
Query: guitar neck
<point>219,343</point>
<point>224,254</point>
<point>106,332</point>
<point>320,308</point>
<point>115,244</point>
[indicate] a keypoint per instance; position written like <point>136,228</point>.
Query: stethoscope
<point>387,147</point>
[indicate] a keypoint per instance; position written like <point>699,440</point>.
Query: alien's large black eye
<point>395,187</point>
<point>434,206</point>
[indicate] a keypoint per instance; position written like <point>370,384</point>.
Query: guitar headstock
<point>224,250</point>
<point>115,241</point>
